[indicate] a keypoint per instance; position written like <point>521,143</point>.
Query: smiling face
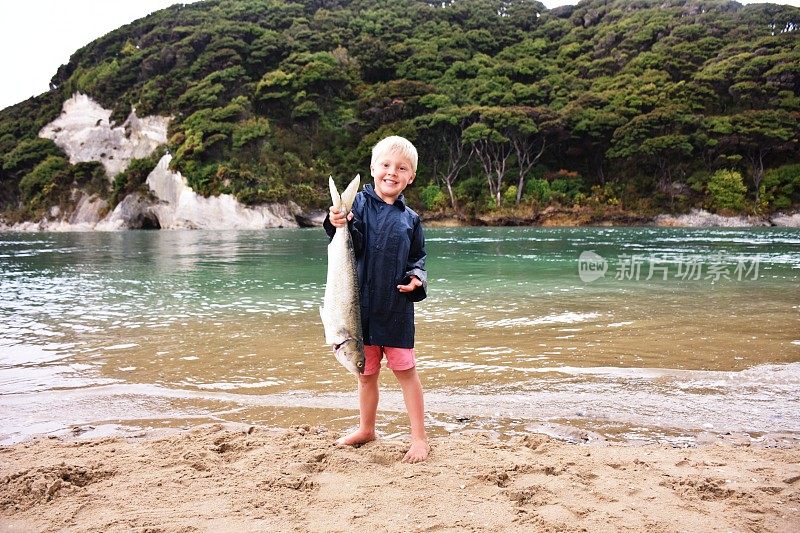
<point>392,172</point>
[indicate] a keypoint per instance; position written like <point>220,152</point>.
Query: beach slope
<point>224,478</point>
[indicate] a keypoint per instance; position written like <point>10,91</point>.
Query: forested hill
<point>648,104</point>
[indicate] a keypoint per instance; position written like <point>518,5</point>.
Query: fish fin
<point>335,198</point>
<point>323,316</point>
<point>330,337</point>
<point>349,194</point>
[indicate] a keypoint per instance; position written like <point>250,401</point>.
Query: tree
<point>268,97</point>
<point>727,191</point>
<point>529,130</point>
<point>592,121</point>
<point>758,133</point>
<point>661,140</point>
<point>445,129</point>
<point>500,132</point>
<point>492,148</point>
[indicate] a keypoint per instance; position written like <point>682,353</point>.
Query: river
<point>637,334</point>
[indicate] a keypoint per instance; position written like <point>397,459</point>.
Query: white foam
<point>121,346</point>
<point>561,318</point>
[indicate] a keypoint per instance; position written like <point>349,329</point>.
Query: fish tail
<point>335,198</point>
<point>349,193</point>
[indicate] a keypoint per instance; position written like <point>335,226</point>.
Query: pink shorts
<point>396,358</point>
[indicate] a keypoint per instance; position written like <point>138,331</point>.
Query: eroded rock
<point>85,132</point>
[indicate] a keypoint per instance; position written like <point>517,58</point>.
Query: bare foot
<point>359,436</point>
<point>417,452</point>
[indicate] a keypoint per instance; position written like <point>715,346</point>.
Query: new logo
<point>591,266</point>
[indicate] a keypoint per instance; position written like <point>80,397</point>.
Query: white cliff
<point>85,132</point>
<point>85,216</point>
<point>176,206</point>
<point>88,210</point>
<point>170,204</point>
<point>181,207</point>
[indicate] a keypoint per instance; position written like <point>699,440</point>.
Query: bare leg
<point>415,405</point>
<point>368,409</point>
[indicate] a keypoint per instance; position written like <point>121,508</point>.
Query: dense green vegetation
<point>648,105</point>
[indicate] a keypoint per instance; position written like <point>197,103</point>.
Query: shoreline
<point>217,477</point>
<point>586,217</point>
<point>551,217</point>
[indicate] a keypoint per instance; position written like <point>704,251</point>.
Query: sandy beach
<point>553,404</point>
<point>245,478</point>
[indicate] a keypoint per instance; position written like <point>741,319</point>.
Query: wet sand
<point>246,478</point>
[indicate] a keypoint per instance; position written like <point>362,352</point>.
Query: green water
<point>138,329</point>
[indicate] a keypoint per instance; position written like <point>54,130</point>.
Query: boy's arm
<point>415,266</point>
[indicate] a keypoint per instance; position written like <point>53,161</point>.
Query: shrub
<point>564,185</point>
<point>250,131</point>
<point>91,176</point>
<point>539,190</point>
<point>38,184</point>
<point>510,195</point>
<point>305,195</point>
<point>603,195</point>
<point>565,190</point>
<point>249,196</point>
<point>433,198</point>
<point>134,176</point>
<point>698,181</point>
<point>24,157</point>
<point>276,193</point>
<point>470,189</point>
<point>782,186</point>
<point>726,191</point>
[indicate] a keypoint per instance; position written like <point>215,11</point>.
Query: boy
<point>390,254</point>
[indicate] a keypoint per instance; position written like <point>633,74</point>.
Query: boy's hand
<point>411,286</point>
<point>339,220</point>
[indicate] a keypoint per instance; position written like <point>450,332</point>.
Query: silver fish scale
<point>341,309</point>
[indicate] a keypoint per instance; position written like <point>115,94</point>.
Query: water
<point>145,329</point>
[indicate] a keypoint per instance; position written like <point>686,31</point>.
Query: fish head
<point>350,353</point>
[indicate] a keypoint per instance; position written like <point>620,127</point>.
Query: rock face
<point>172,204</point>
<point>84,131</point>
<point>787,221</point>
<point>698,218</point>
<point>179,206</point>
<point>88,211</point>
<point>133,212</point>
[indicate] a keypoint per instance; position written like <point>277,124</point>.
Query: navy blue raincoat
<point>390,247</point>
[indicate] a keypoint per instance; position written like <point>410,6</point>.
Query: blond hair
<point>395,144</point>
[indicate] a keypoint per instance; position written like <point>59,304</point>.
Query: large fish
<point>341,309</point>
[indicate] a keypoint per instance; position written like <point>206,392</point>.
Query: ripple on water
<point>14,354</point>
<point>561,318</point>
<point>507,327</point>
